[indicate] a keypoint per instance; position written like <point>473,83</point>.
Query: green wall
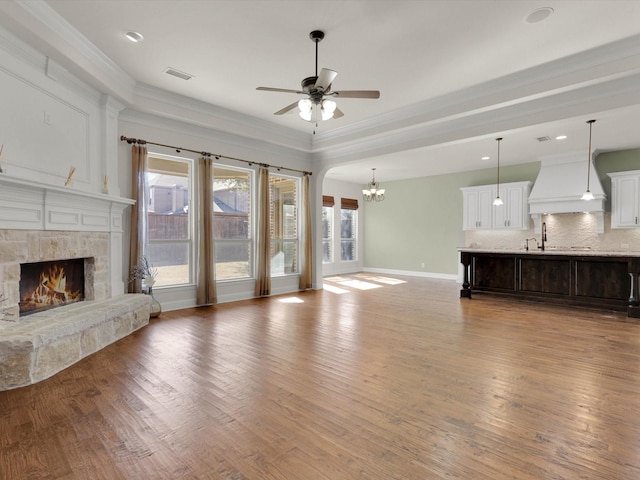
<point>420,220</point>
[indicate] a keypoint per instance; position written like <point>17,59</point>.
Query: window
<point>169,221</point>
<point>283,221</point>
<point>348,230</point>
<point>232,223</point>
<point>327,229</point>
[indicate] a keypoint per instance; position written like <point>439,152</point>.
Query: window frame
<point>296,241</point>
<point>350,205</point>
<point>252,245</point>
<point>190,240</point>
<point>328,240</point>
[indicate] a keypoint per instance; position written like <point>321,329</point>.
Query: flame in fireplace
<point>51,290</point>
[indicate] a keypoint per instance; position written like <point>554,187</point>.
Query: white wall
<point>51,123</point>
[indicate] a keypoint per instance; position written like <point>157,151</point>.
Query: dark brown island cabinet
<point>607,280</point>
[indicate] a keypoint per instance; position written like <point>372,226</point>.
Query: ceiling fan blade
<point>325,79</point>
<point>337,113</point>
<point>286,109</point>
<point>357,94</point>
<point>285,90</point>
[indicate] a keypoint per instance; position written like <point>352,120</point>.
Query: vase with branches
<point>144,271</point>
<point>147,273</point>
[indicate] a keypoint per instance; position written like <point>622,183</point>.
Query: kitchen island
<point>607,280</point>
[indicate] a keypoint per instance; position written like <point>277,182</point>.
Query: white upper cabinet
<point>480,213</point>
<point>477,207</point>
<point>514,213</point>
<point>625,199</point>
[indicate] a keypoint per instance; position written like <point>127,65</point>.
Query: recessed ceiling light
<point>561,137</point>
<point>539,15</point>
<point>485,158</point>
<point>134,37</point>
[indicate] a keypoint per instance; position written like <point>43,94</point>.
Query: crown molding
<point>57,39</point>
<point>599,65</point>
<point>189,110</point>
<point>216,141</point>
<point>29,65</point>
<point>590,81</point>
<point>586,100</point>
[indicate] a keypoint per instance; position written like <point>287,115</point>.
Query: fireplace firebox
<point>45,285</point>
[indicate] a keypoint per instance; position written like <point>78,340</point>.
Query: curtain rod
<point>217,156</point>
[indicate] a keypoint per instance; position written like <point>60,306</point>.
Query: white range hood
<point>559,187</point>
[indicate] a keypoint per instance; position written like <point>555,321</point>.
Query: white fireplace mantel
<point>27,205</point>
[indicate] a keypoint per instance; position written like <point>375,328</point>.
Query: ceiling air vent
<point>178,73</point>
<point>543,139</point>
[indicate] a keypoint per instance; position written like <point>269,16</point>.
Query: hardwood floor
<point>372,378</point>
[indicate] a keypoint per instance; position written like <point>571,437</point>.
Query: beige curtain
<point>306,269</point>
<point>206,290</point>
<point>138,212</point>
<point>263,260</point>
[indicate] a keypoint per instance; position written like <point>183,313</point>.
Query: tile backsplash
<point>564,231</point>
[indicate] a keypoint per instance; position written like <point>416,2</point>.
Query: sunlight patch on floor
<point>386,280</point>
<point>334,289</point>
<point>359,281</point>
<point>359,284</point>
<point>291,300</point>
<point>336,279</point>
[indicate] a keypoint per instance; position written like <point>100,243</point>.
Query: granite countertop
<point>553,251</point>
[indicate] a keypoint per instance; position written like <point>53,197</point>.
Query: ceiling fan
<point>318,104</point>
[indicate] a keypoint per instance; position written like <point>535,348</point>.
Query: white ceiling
<point>453,74</point>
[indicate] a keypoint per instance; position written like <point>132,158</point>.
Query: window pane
<point>168,219</point>
<point>232,223</point>
<point>172,261</point>
<point>348,235</point>
<point>327,234</point>
<point>283,213</point>
<point>233,259</point>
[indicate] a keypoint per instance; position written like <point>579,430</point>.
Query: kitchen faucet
<point>526,246</point>
<point>544,236</point>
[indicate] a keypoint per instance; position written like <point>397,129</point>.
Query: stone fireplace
<point>54,283</point>
<point>26,249</point>
<point>43,224</point>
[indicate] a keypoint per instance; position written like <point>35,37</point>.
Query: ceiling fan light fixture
<point>306,108</point>
<point>328,108</point>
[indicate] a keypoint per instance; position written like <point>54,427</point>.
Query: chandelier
<point>373,192</point>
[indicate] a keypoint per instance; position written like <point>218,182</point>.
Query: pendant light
<point>588,195</point>
<point>498,201</point>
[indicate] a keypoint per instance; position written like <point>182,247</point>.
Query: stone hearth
<point>50,341</point>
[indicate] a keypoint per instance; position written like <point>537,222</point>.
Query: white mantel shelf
<point>27,205</point>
